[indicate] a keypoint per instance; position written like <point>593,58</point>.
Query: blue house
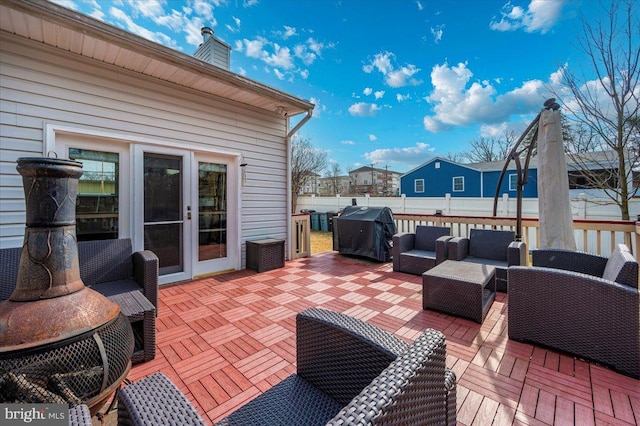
<point>440,176</point>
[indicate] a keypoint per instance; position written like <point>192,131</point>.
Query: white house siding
<point>40,85</point>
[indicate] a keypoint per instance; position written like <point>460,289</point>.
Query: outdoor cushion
<point>622,267</point>
<point>490,243</point>
<point>426,237</point>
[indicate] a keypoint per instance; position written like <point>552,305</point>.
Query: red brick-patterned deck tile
<point>486,413</point>
<point>226,408</point>
<point>467,412</point>
<point>546,408</point>
<point>196,367</point>
<point>564,411</point>
<point>492,385</point>
<point>559,384</point>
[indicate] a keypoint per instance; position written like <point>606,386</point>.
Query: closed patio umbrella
<point>554,205</point>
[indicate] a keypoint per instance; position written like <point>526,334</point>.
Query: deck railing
<point>593,236</point>
<point>301,235</point>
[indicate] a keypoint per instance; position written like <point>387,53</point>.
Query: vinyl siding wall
<point>40,85</point>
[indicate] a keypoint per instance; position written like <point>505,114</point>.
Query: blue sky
<point>394,82</point>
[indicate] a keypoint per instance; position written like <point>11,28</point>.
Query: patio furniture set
<point>580,303</point>
<point>460,275</point>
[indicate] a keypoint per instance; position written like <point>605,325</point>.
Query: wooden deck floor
<point>225,339</point>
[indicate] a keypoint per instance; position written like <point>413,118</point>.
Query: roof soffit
<point>56,26</point>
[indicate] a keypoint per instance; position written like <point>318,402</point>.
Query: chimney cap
<point>206,30</point>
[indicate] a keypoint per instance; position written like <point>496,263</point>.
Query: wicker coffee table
<point>461,288</point>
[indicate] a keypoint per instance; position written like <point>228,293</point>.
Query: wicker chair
<point>490,247</point>
<point>580,303</point>
<point>415,253</point>
<point>349,372</point>
<point>111,268</point>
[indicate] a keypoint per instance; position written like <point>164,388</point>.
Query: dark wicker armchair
<point>415,253</point>
<point>580,303</point>
<point>350,372</point>
<point>490,247</point>
<point>111,268</point>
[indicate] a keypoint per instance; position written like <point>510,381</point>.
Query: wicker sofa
<point>111,268</point>
<point>415,253</point>
<point>490,247</point>
<point>580,303</point>
<point>348,372</point>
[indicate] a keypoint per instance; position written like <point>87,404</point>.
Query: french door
<point>185,213</point>
<point>215,247</point>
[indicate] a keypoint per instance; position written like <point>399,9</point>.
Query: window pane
<point>97,201</point>
<point>458,183</point>
<point>162,188</point>
<point>212,211</point>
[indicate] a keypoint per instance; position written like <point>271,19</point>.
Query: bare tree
<point>605,111</point>
<point>456,157</point>
<point>306,162</point>
<point>487,149</point>
<point>333,173</point>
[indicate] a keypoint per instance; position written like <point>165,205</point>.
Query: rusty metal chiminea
<point>60,342</point>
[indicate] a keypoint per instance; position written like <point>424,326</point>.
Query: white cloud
<point>420,6</point>
<point>134,28</point>
<point>402,98</point>
<point>367,91</point>
<point>348,142</point>
<point>378,94</point>
<point>69,4</point>
<point>540,16</point>
<point>237,22</point>
<point>437,32</point>
<point>278,74</point>
<point>319,107</point>
<point>288,32</point>
<point>300,51</point>
<point>393,77</point>
<point>281,57</point>
<point>373,137</point>
<point>362,109</point>
<point>381,62</point>
<point>457,101</point>
<point>410,156</point>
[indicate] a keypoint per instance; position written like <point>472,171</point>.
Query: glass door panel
<point>212,211</point>
<point>163,204</point>
<point>97,201</point>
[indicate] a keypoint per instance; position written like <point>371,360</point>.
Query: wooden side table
<point>264,255</point>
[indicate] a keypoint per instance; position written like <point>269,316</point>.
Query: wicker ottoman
<point>461,288</point>
<point>265,255</point>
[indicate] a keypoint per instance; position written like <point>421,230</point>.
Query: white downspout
<point>289,212</point>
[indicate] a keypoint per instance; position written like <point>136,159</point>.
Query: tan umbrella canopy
<point>554,205</point>
<point>556,223</point>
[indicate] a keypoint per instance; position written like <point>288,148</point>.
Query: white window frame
<point>415,186</point>
<point>454,183</point>
<point>513,186</point>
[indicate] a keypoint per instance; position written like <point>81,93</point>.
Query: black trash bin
<point>330,216</point>
<point>366,231</point>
